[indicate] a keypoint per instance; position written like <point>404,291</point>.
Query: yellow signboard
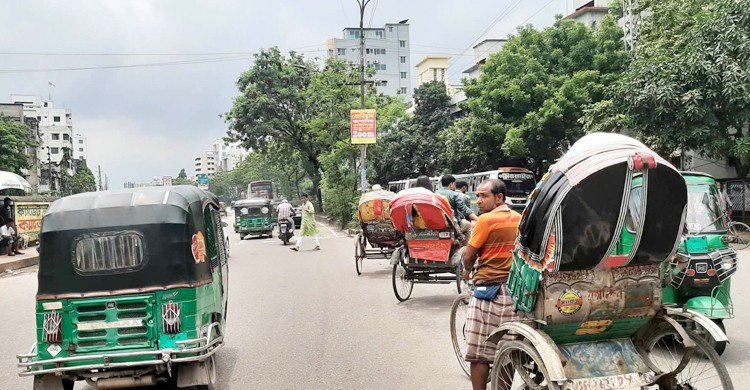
<point>364,126</point>
<point>29,218</point>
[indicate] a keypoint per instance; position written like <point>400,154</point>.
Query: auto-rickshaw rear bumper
<point>187,351</point>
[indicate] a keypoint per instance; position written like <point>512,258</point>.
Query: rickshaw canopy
<point>577,212</point>
<point>375,206</point>
<point>419,208</point>
<point>144,239</point>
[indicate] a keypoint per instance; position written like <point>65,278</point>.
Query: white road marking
<point>329,229</point>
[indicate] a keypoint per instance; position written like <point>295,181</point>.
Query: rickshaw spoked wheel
<point>459,311</point>
<point>359,252</point>
<point>402,283</point>
<point>664,349</point>
<point>518,363</point>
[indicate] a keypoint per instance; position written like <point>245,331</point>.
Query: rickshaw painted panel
<point>381,233</point>
<point>602,359</point>
<point>583,301</point>
<point>432,250</point>
<point>523,284</point>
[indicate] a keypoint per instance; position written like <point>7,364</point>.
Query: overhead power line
<point>169,63</point>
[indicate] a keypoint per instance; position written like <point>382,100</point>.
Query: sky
<point>147,121</point>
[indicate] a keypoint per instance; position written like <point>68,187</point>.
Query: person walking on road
<point>308,228</point>
<point>491,304</point>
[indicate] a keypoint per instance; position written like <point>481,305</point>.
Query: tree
<point>15,138</point>
<point>82,181</point>
<point>528,101</point>
<point>408,148</point>
<point>182,174</point>
<point>274,106</point>
<point>688,86</point>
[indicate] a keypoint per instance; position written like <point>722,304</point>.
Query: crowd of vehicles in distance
<point>132,290</point>
<point>519,183</point>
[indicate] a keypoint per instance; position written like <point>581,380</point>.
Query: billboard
<point>29,218</point>
<point>364,126</point>
<point>203,181</point>
<point>166,180</point>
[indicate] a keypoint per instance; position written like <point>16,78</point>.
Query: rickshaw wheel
<point>664,350</point>
<point>459,311</point>
<point>518,363</point>
<point>402,286</point>
<point>359,253</point>
<point>459,276</point>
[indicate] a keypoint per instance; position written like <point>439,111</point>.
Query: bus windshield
<point>518,184</point>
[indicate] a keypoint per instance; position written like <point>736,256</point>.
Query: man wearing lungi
<point>492,242</point>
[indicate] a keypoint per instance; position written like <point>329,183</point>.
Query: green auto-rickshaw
<point>697,278</point>
<point>132,290</point>
<point>255,216</point>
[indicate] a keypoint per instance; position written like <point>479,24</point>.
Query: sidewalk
<point>29,257</point>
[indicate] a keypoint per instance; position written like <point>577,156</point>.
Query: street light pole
<point>362,148</point>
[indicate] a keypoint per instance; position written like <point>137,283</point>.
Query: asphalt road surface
<point>306,320</point>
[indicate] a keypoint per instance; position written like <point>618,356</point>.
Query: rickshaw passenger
<point>491,304</point>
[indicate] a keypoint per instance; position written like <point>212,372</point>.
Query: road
<point>305,320</point>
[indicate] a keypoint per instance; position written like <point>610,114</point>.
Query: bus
<point>518,181</point>
<point>262,189</point>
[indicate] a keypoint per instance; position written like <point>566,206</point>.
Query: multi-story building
<point>228,155</point>
<point>482,51</point>
<point>17,112</point>
<point>432,68</point>
<point>386,51</point>
<point>205,163</point>
<point>590,12</point>
<point>80,147</point>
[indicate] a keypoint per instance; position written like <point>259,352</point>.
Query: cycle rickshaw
<point>593,317</point>
<point>374,213</point>
<point>432,239</point>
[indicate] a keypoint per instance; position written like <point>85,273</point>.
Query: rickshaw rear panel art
<point>587,303</point>
<point>125,279</point>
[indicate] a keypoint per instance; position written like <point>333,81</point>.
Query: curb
<point>18,264</point>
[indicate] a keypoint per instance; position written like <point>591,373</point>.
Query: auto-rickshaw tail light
<point>170,314</point>
<point>53,327</point>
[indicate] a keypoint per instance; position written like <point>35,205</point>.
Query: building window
<point>54,150</point>
<point>434,74</point>
<point>55,136</point>
<point>80,141</point>
<point>379,33</point>
<point>381,83</point>
<point>45,104</point>
<point>390,28</point>
<point>80,150</point>
<point>66,137</point>
<point>353,34</point>
<point>403,59</point>
<point>403,75</point>
<point>341,52</point>
<point>403,90</point>
<point>442,74</point>
<point>401,43</point>
<point>56,118</point>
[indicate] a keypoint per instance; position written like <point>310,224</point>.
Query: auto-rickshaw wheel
<point>518,363</point>
<point>664,349</point>
<point>211,371</point>
<point>52,382</point>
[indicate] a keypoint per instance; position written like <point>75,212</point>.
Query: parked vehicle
<point>132,290</point>
<point>254,216</point>
<point>297,218</point>
<point>374,213</point>
<point>431,238</point>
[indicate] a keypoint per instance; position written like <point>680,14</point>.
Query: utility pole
<point>99,168</point>
<point>362,148</point>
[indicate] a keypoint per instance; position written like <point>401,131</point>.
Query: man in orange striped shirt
<point>492,240</point>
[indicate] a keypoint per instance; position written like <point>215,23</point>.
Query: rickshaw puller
<point>491,304</point>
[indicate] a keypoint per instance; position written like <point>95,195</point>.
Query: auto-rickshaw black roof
<point>168,220</point>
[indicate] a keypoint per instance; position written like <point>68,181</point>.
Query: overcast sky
<point>151,121</point>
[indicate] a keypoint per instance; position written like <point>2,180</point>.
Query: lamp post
<point>362,148</point>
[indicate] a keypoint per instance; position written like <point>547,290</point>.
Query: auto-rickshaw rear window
<point>110,252</point>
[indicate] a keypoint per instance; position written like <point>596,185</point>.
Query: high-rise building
<point>80,147</point>
<point>205,163</point>
<point>386,51</point>
<point>228,155</point>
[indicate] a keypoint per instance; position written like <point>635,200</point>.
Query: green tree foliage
<point>182,174</point>
<point>82,181</point>
<point>528,101</point>
<point>688,85</point>
<point>15,137</point>
<point>408,148</point>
